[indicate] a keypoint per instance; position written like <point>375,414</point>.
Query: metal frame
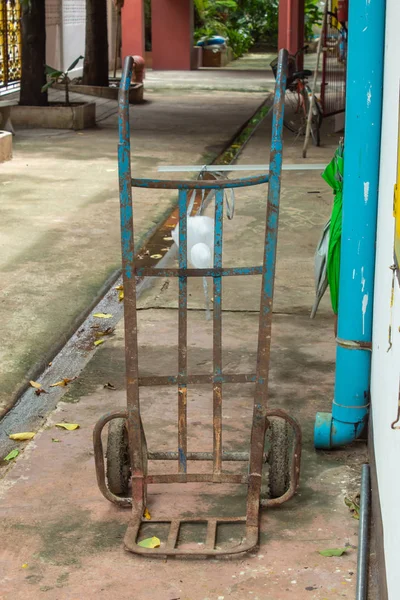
<point>255,457</point>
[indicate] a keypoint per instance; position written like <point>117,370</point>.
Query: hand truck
<point>127,449</point>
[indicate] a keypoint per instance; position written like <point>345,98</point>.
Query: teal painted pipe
<point>360,200</point>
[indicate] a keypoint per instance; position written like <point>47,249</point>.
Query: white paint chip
<point>364,310</point>
<point>366,191</point>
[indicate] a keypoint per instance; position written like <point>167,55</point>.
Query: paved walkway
<point>59,232</point>
<point>62,540</point>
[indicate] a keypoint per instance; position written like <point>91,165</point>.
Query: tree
<point>95,66</point>
<point>33,53</point>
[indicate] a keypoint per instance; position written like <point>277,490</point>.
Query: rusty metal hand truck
<point>127,460</point>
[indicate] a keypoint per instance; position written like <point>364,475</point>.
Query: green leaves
<point>333,552</point>
<point>46,86</point>
<point>11,455</point>
<point>73,65</point>
<point>53,73</point>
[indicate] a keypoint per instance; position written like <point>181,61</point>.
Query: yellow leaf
<point>55,440</point>
<point>24,566</point>
<point>20,437</point>
<point>68,426</point>
<point>156,256</point>
<point>102,315</point>
<point>146,514</point>
<point>62,383</point>
<point>119,287</point>
<point>152,542</point>
<point>121,295</point>
<point>36,385</point>
<point>167,238</point>
<point>98,342</point>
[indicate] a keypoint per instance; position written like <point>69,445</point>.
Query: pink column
<point>132,28</point>
<point>291,25</point>
<point>172,34</point>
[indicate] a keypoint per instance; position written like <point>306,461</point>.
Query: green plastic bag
<point>333,175</point>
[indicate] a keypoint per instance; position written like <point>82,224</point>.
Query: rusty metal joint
<point>354,344</point>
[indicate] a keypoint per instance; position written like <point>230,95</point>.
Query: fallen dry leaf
<point>152,542</point>
<point>156,256</point>
<point>41,391</point>
<point>121,295</point>
<point>146,514</point>
<point>63,382</point>
<point>107,331</point>
<point>109,386</point>
<point>55,440</point>
<point>21,437</point>
<point>50,363</point>
<point>98,342</point>
<point>68,426</point>
<point>119,287</point>
<point>11,455</point>
<point>333,552</point>
<point>102,315</point>
<point>24,566</point>
<point>36,385</point>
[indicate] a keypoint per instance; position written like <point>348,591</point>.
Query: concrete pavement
<point>59,232</point>
<point>63,540</point>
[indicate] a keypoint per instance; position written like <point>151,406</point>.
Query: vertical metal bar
<point>363,537</point>
<point>182,335</point>
<point>211,534</point>
<point>217,335</point>
<point>127,247</point>
<point>173,534</point>
<point>267,293</point>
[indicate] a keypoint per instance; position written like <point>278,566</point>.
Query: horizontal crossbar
<point>226,456</point>
<point>197,379</point>
<point>196,478</point>
<point>215,272</point>
<point>200,184</point>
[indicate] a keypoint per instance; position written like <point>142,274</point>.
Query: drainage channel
<point>30,411</point>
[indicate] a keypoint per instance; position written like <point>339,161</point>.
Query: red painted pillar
<point>291,25</point>
<point>132,28</point>
<point>172,34</point>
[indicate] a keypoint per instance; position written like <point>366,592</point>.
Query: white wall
<point>386,364</point>
<point>73,34</point>
<point>65,33</point>
<point>53,33</point>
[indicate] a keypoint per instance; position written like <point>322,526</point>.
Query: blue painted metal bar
<point>130,319</point>
<point>360,200</point>
<point>217,334</point>
<point>267,292</point>
<point>217,272</point>
<point>202,184</point>
<point>182,335</point>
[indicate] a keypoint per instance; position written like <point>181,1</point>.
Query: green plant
<point>312,16</point>
<point>240,41</point>
<point>54,76</point>
<point>212,17</point>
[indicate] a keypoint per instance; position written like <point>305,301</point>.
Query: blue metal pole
<point>360,199</point>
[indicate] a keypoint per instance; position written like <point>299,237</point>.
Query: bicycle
<point>297,100</point>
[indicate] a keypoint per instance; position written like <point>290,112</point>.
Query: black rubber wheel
<point>316,122</point>
<point>296,111</point>
<point>297,105</point>
<point>279,436</point>
<point>118,459</point>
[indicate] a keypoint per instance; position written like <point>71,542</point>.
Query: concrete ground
<point>59,232</point>
<point>255,75</point>
<point>62,540</point>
